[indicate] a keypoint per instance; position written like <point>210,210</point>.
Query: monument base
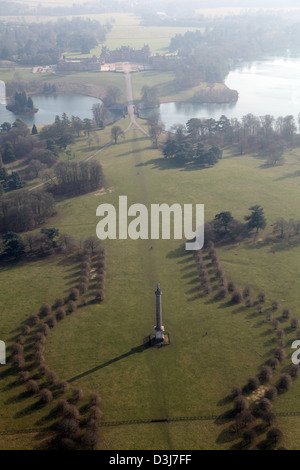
<point>159,334</point>
<point>163,340</point>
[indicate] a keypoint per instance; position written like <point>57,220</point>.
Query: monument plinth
<point>159,329</point>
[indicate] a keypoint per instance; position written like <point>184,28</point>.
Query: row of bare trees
<point>245,412</point>
<point>73,430</point>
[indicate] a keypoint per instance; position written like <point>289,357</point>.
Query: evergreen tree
<point>8,154</point>
<point>257,219</point>
<point>34,130</point>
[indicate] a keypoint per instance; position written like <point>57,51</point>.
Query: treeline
<point>250,133</point>
<point>9,8</point>
<point>207,54</point>
<point>74,178</point>
<point>17,143</point>
<point>224,228</point>
<point>33,44</point>
<point>23,210</point>
<point>183,149</point>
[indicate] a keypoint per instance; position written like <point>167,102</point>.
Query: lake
<point>51,105</point>
<point>270,86</point>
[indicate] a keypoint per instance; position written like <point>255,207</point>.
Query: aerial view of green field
<point>127,325</point>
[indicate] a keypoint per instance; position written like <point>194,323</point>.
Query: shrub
<point>25,330</point>
<point>18,361</point>
<point>236,297</point>
<point>83,287</point>
<point>46,396</point>
<point>60,313</point>
<point>207,289</point>
<point>77,394</point>
<point>67,444</point>
<point>279,353</point>
<point>40,337</point>
<point>92,425</point>
<point>264,405</point>
<point>72,306</point>
<point>231,286</point>
<point>260,308</point>
<point>33,319</point>
<point>240,403</point>
<point>280,333</point>
<point>62,406</point>
<point>32,386</point>
<point>249,302</point>
<point>223,292</point>
<point>268,418</point>
<point>43,369</point>
<point>271,393</point>
<point>286,313</point>
<point>21,340</point>
<point>63,386</point>
<point>74,294</point>
<point>68,428</point>
<point>265,374</point>
<point>85,265</point>
<point>294,323</point>
<point>249,436</point>
<point>45,310</point>
<point>44,329</point>
<point>38,346</point>
<point>269,315</point>
<point>52,377</point>
<point>71,412</point>
<point>285,382</point>
<point>244,418</point>
<point>51,322</point>
<point>23,376</point>
<point>95,399</point>
<point>99,295</point>
<point>236,391</point>
<point>220,273</point>
<point>275,324</point>
<point>274,435</point>
<point>95,413</point>
<point>90,440</point>
<point>38,358</point>
<point>275,305</point>
<point>273,363</point>
<point>294,370</point>
<point>17,348</point>
<point>247,292</point>
<point>262,297</point>
<point>253,383</point>
<point>59,302</point>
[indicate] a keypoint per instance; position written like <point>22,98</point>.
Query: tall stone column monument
<point>159,329</point>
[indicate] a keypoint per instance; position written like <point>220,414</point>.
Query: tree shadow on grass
<point>139,349</point>
<point>228,434</point>
<point>29,409</point>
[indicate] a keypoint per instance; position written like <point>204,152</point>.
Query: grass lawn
<point>213,345</point>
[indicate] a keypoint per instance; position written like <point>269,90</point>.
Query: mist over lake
<point>270,86</point>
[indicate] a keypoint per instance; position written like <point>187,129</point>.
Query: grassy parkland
<point>214,345</point>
